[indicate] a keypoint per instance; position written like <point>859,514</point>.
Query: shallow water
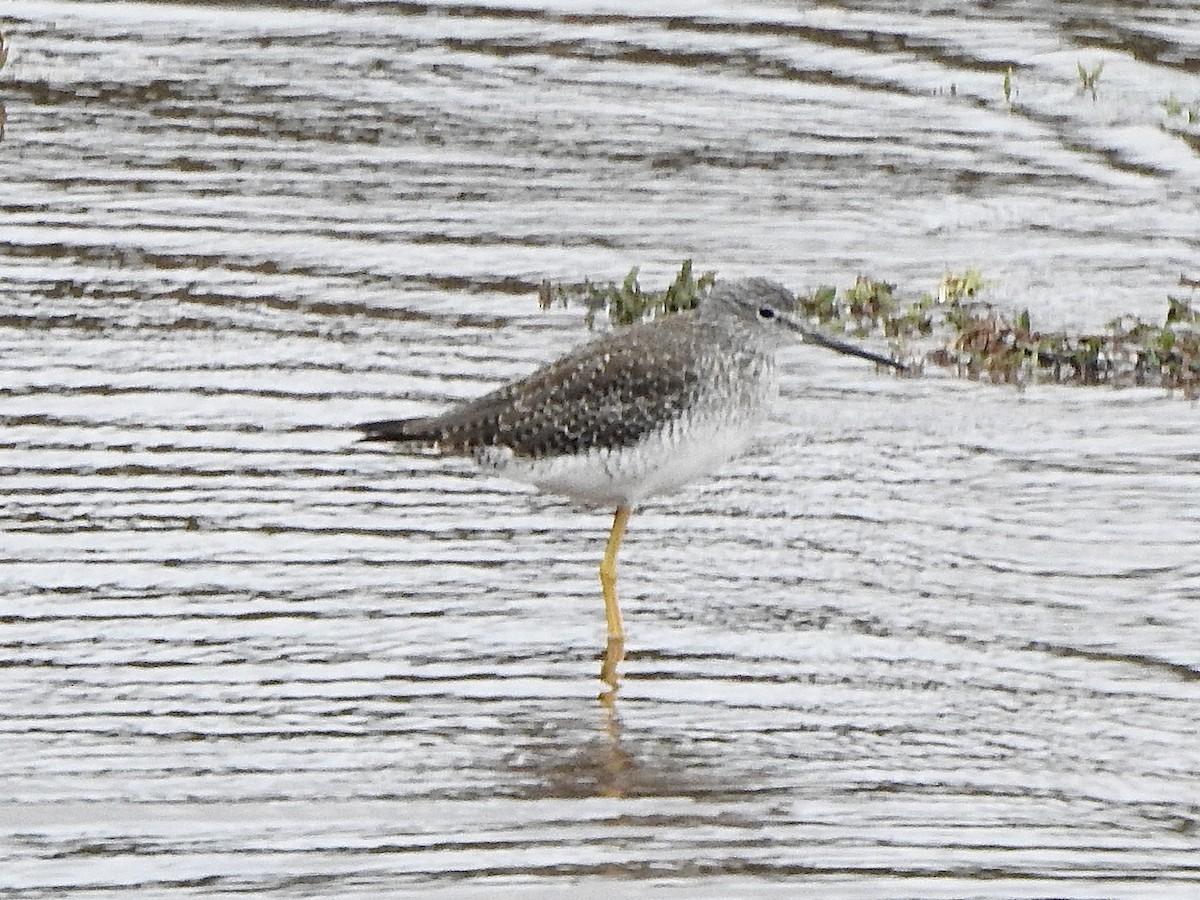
<point>929,639</point>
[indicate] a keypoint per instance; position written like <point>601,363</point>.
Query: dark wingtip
<point>407,430</point>
<point>383,430</point>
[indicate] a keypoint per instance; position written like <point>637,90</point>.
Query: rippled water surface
<point>930,638</point>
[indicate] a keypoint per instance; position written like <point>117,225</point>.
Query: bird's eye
<point>765,312</point>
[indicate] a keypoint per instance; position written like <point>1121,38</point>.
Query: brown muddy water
<point>930,638</point>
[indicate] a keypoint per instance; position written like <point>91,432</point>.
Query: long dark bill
<point>815,337</point>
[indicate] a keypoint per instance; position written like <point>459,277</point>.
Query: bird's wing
<point>609,393</point>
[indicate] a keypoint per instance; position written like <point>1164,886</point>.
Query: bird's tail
<point>415,431</point>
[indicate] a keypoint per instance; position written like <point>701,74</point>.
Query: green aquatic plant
<point>1089,80</point>
<point>980,341</point>
<point>957,287</point>
<point>954,327</point>
<point>1008,86</point>
<point>863,308</point>
<point>1174,109</point>
<point>627,302</point>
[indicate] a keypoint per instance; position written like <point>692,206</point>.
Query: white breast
<point>694,444</point>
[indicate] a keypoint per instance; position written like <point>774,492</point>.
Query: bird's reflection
<point>593,753</point>
<point>615,764</point>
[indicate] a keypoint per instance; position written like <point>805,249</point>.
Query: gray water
<point>929,638</point>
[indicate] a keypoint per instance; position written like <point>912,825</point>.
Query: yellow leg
<point>615,651</point>
<point>608,573</point>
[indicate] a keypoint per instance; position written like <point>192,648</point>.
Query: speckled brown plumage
<point>615,392</point>
<point>608,394</point>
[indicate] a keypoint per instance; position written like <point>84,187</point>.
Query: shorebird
<point>635,413</point>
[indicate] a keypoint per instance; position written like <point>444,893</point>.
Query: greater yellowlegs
<point>635,413</point>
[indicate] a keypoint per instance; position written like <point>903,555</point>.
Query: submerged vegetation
<point>627,303</point>
<point>1181,115</point>
<point>1174,108</point>
<point>1088,80</point>
<point>952,327</point>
